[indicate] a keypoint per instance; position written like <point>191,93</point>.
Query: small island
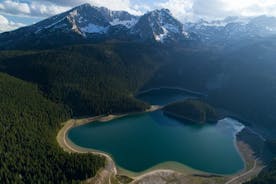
<point>195,111</point>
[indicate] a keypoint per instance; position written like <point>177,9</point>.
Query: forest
<point>195,111</point>
<point>89,79</point>
<point>28,150</point>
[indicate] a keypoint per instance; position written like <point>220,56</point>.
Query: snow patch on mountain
<point>161,37</point>
<point>126,23</point>
<point>92,28</point>
<point>160,26</point>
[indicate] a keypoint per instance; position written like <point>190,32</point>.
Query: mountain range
<point>90,24</point>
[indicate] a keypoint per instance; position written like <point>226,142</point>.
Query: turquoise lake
<point>139,142</point>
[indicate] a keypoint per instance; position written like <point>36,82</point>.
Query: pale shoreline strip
<point>111,168</point>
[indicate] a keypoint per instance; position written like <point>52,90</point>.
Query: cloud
<point>218,9</point>
<point>46,9</point>
<point>6,25</point>
<point>251,7</point>
<point>182,9</point>
<point>126,5</point>
<point>32,9</point>
<point>67,2</point>
<point>211,9</point>
<point>119,5</point>
<point>15,7</point>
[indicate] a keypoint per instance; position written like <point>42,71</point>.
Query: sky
<point>18,13</point>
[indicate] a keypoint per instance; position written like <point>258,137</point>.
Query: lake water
<point>139,142</point>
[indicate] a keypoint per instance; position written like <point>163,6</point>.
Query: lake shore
<point>109,172</point>
<point>105,174</point>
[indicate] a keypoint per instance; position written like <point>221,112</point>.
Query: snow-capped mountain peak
<point>159,25</point>
<point>86,19</point>
<point>119,17</point>
<point>86,24</point>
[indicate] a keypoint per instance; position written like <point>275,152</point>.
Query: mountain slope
<point>82,24</point>
<point>159,25</point>
<point>90,79</point>
<point>28,126</point>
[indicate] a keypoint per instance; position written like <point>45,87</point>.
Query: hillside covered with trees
<point>90,79</point>
<point>195,111</point>
<point>28,149</point>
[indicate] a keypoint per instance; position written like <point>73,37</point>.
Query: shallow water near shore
<point>139,142</point>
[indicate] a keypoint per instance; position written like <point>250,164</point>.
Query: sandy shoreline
<point>167,169</point>
<point>105,174</point>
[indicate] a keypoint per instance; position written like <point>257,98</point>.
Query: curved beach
<point>163,170</point>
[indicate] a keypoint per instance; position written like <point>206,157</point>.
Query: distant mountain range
<point>90,24</point>
<point>233,28</point>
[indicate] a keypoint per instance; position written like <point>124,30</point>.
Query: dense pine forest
<point>195,111</point>
<point>90,79</point>
<point>28,150</point>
